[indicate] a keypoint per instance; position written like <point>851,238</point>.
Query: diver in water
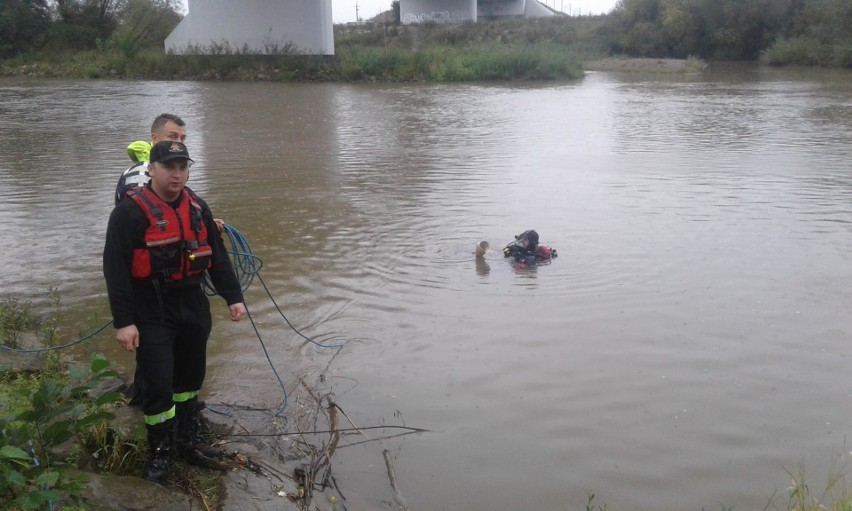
<point>526,250</point>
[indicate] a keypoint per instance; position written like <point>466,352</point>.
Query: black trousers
<point>174,325</point>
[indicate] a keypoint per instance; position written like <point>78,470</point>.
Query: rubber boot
<point>161,440</point>
<point>192,442</point>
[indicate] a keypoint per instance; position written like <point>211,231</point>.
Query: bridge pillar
<point>500,8</point>
<point>254,27</point>
<point>437,11</point>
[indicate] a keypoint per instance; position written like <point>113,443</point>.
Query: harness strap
<point>155,210</point>
<point>195,215</point>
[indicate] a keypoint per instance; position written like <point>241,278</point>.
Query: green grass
<point>801,496</point>
<point>433,64</point>
<point>451,64</point>
<point>808,51</point>
<point>513,50</point>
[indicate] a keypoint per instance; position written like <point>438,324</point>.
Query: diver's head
<point>528,239</point>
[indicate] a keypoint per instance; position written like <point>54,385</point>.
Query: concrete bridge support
<point>254,27</point>
<point>462,11</point>
<point>437,11</point>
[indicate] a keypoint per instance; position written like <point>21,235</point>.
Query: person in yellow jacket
<point>139,151</point>
<point>165,127</point>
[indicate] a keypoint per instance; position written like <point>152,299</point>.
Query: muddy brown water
<point>691,340</point>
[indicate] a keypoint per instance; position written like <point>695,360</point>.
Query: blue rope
<point>246,266</point>
<point>274,371</point>
<point>62,347</point>
<point>280,312</point>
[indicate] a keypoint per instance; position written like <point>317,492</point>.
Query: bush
<point>16,318</point>
<point>54,411</point>
<point>801,50</point>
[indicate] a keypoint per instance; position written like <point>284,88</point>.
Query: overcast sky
<point>344,10</point>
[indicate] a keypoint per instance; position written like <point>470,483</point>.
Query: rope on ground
<point>246,266</point>
<point>62,347</point>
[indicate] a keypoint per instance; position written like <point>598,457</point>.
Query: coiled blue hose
<point>245,263</point>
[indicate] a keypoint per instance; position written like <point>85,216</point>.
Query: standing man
<point>164,127</point>
<point>159,243</point>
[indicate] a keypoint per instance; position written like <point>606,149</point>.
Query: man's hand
<point>128,337</point>
<point>238,310</point>
<point>220,224</point>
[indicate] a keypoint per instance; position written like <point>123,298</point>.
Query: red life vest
<point>175,244</point>
<point>542,252</point>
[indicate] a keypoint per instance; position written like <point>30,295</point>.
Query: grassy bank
<point>516,50</point>
<point>125,40</point>
<point>50,421</point>
<point>351,65</point>
<point>63,424</point>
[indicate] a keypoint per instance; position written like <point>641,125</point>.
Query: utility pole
<point>357,16</point>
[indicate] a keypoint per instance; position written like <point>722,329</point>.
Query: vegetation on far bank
<point>356,64</point>
<point>124,39</point>
<point>778,32</point>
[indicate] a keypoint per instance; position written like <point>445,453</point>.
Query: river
<point>689,342</point>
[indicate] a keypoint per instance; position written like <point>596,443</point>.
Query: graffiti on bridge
<point>434,17</point>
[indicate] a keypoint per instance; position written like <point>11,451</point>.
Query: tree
<point>82,23</point>
<point>146,23</point>
<point>23,25</point>
<point>712,29</point>
<point>637,23</point>
<point>683,28</point>
<point>749,27</point>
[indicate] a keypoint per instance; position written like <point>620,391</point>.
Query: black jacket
<point>125,231</point>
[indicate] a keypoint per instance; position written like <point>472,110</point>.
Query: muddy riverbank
<point>690,65</point>
<point>283,464</point>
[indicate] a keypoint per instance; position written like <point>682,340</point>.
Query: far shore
<point>646,64</point>
<point>249,73</point>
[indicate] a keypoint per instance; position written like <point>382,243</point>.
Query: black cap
<point>167,150</point>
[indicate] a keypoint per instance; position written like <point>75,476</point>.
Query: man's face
<point>170,131</point>
<point>169,178</point>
